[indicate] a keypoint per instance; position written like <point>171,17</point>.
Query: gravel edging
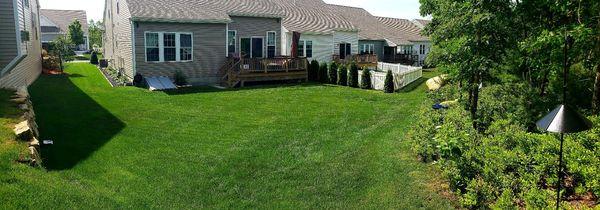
<point>108,78</point>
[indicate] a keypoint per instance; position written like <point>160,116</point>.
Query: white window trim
<point>267,42</point>
<point>303,43</point>
<point>161,47</point>
<point>235,44</point>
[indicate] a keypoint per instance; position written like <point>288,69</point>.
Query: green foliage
<point>94,58</point>
<point>323,74</point>
<point>95,33</point>
<point>75,33</point>
<point>313,71</point>
<point>333,67</point>
<point>342,75</point>
<point>365,79</point>
<point>388,85</point>
<point>61,48</point>
<point>353,75</point>
<point>180,78</point>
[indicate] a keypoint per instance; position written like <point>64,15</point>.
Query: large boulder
<point>436,82</point>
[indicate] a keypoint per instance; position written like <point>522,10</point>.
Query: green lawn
<point>290,147</point>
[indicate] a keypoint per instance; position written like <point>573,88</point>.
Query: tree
<point>94,58</point>
<point>342,77</point>
<point>95,33</point>
<point>333,73</point>
<point>388,85</point>
<point>469,39</point>
<point>75,33</point>
<point>323,72</point>
<point>353,75</point>
<point>313,71</point>
<point>61,47</point>
<point>365,80</point>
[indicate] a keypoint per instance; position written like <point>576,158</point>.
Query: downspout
<point>133,46</point>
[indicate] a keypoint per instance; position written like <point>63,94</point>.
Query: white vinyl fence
<point>403,75</point>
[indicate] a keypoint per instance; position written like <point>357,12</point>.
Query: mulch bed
<point>113,82</point>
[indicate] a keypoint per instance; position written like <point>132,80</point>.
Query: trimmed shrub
<point>323,77</point>
<point>180,78</point>
<point>94,58</point>
<point>365,79</point>
<point>388,85</point>
<point>333,73</point>
<point>353,75</point>
<point>51,63</point>
<point>313,71</point>
<point>342,77</point>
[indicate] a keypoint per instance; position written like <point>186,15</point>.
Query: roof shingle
<point>63,18</point>
<point>403,28</point>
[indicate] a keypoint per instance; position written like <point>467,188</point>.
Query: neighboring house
<point>154,38</point>
<point>56,23</point>
<point>412,32</point>
<point>20,48</point>
<point>324,35</point>
<point>421,23</point>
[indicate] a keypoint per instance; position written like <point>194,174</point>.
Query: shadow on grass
<point>78,125</point>
<point>413,86</point>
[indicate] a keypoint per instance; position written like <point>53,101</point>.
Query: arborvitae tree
<point>323,77</point>
<point>333,73</point>
<point>388,85</point>
<point>94,58</point>
<point>353,75</point>
<point>365,79</point>
<point>75,33</point>
<point>313,71</point>
<point>342,77</point>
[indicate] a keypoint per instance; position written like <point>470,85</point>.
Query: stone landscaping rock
<point>19,100</point>
<point>22,92</point>
<point>436,82</point>
<point>23,131</point>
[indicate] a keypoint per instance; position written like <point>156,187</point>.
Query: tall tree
<point>469,39</point>
<point>95,33</point>
<point>75,33</point>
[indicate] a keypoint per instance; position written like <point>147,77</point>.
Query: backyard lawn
<point>273,147</point>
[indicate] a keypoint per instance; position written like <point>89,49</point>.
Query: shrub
<point>333,73</point>
<point>51,63</point>
<point>323,76</point>
<point>342,76</point>
<point>313,71</point>
<point>180,78</point>
<point>365,80</point>
<point>388,85</point>
<point>94,58</point>
<point>353,75</point>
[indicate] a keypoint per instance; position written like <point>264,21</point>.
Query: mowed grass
<point>274,147</point>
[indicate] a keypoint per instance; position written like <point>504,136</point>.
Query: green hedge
<point>313,71</point>
<point>388,85</point>
<point>323,75</point>
<point>365,79</point>
<point>342,76</point>
<point>353,75</point>
<point>333,73</point>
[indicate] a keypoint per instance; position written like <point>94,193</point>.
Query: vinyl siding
<point>322,46</point>
<point>377,44</point>
<point>416,49</point>
<point>8,40</point>
<point>48,37</point>
<point>248,27</point>
<point>117,40</point>
<point>208,51</point>
<point>345,37</point>
<point>28,70</point>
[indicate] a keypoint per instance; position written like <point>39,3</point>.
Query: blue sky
<point>408,9</point>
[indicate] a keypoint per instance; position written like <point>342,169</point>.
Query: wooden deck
<point>236,72</point>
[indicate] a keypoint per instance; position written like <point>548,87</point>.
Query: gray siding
<point>30,67</point>
<point>208,51</point>
<point>247,27</point>
<point>117,38</point>
<point>378,47</point>
<point>8,40</point>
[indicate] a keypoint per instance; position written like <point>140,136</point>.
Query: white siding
<point>117,41</point>
<point>322,45</point>
<point>345,37</point>
<point>417,50</point>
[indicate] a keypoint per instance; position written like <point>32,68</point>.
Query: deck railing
<point>270,65</point>
<point>406,59</point>
<point>359,59</point>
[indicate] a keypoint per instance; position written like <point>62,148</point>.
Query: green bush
<point>94,58</point>
<point>333,73</point>
<point>365,80</point>
<point>388,85</point>
<point>313,71</point>
<point>180,78</point>
<point>342,76</point>
<point>353,75</point>
<point>323,76</point>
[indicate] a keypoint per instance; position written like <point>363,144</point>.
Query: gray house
<point>20,48</point>
<point>152,38</point>
<point>419,45</point>
<point>56,23</point>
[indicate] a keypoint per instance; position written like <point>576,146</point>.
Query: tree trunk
<point>544,84</point>
<point>61,62</point>
<point>596,99</point>
<point>474,99</point>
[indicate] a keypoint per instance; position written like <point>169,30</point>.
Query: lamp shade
<point>564,119</point>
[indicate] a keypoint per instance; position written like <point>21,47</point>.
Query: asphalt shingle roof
<point>404,28</point>
<point>63,18</point>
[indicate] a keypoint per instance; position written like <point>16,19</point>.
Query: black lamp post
<point>564,119</point>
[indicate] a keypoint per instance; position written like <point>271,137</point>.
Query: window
<point>170,49</point>
<point>422,49</point>
<point>231,42</point>
<point>305,49</point>
<point>169,46</point>
<point>301,49</point>
<point>309,49</point>
<point>152,48</point>
<point>345,49</point>
<point>271,42</point>
<point>368,49</point>
<point>185,47</point>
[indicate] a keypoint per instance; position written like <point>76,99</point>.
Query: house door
<point>345,49</point>
<point>257,47</point>
<point>245,47</point>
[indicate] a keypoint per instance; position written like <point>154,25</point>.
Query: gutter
<point>164,20</point>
